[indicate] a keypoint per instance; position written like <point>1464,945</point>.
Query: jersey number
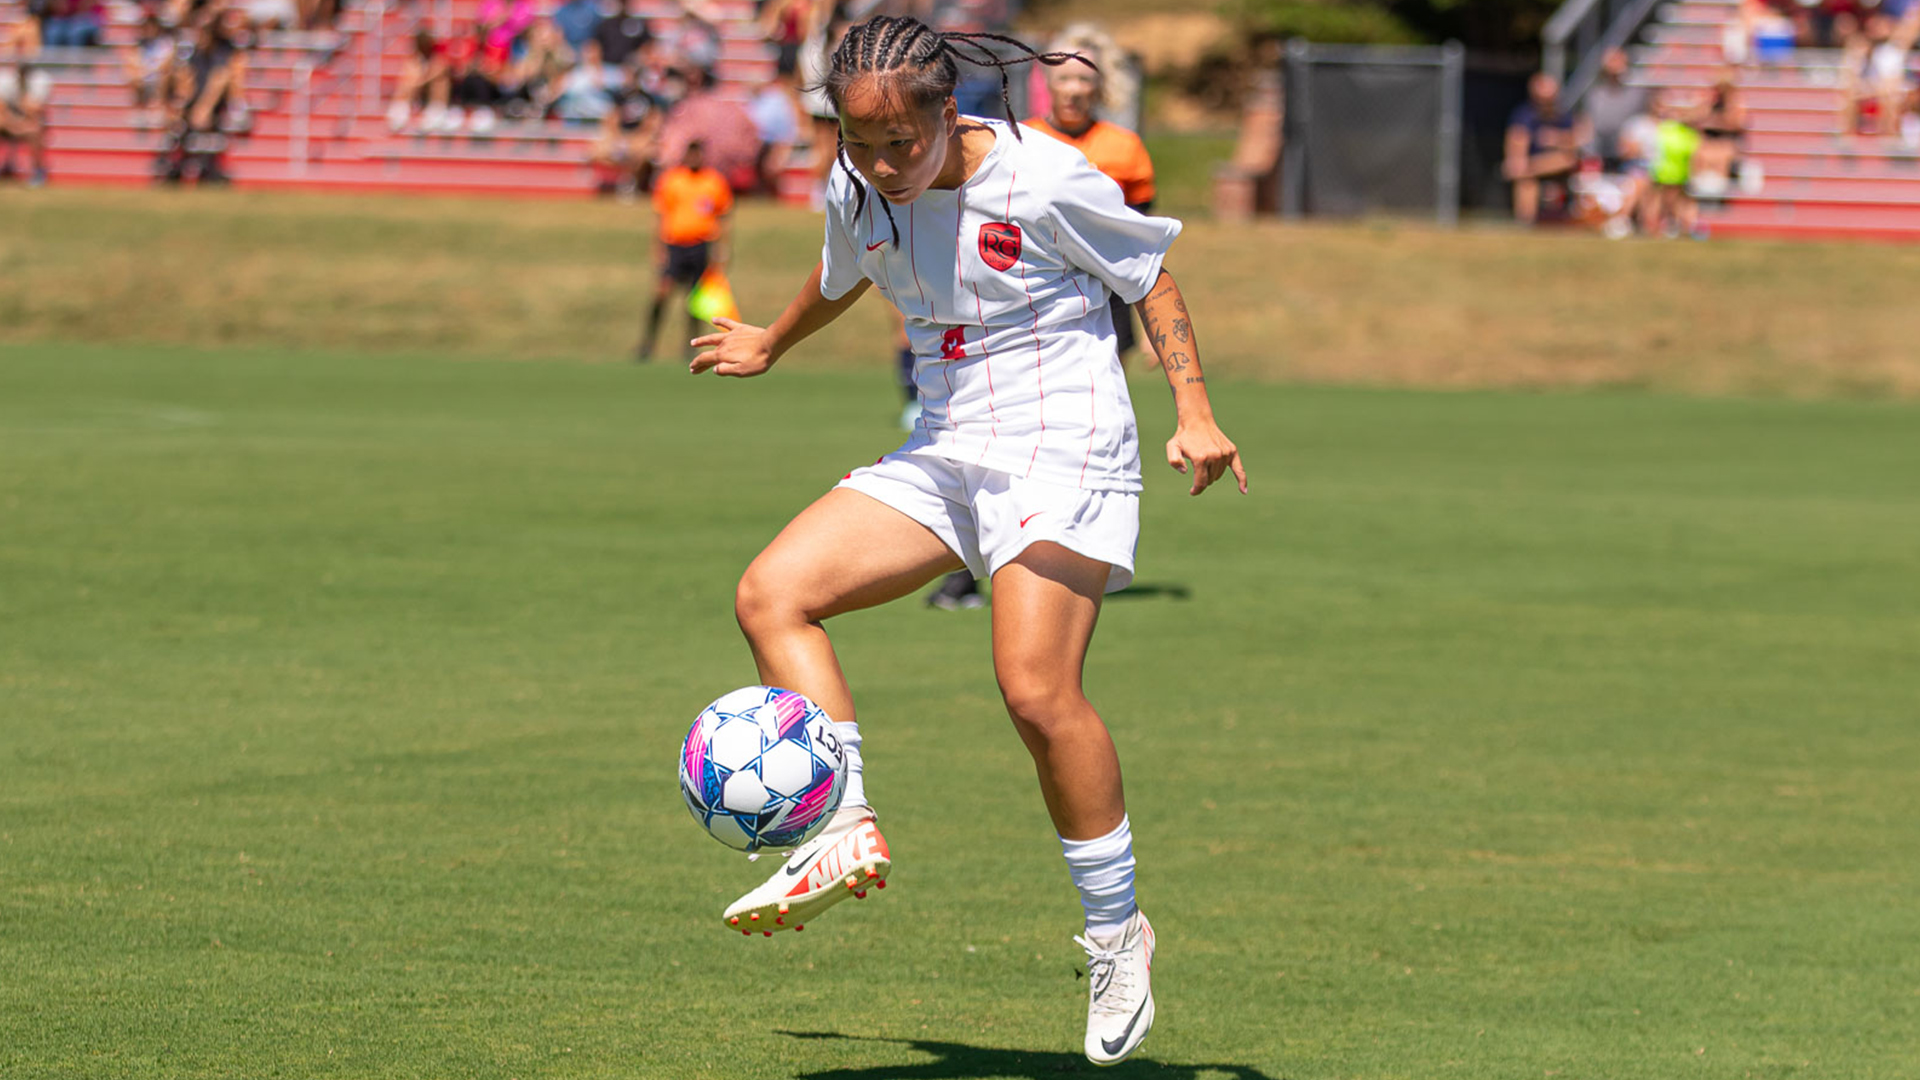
<point>953,343</point>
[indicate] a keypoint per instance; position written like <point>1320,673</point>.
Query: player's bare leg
<point>1045,604</point>
<point>845,552</point>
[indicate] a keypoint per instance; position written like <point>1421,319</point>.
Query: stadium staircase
<point>319,109</point>
<point>1817,182</point>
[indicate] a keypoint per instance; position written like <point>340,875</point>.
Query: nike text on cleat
<point>1119,991</point>
<point>845,860</point>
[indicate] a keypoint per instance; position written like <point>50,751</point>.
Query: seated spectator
<point>1831,23</point>
<point>1542,147</point>
<point>1722,123</point>
<point>535,81</point>
<point>423,85</point>
<point>25,37</point>
<point>501,24</point>
<point>587,90</point>
<point>784,22</point>
<point>623,34</point>
<point>694,41</point>
<point>317,14</point>
<point>777,124</point>
<point>472,92</point>
<point>1610,104</point>
<point>577,20</point>
<point>726,132</point>
<point>1639,139</point>
<point>1668,209</point>
<point>273,14</point>
<point>23,119</point>
<point>71,24</point>
<point>628,133</point>
<point>146,62</point>
<point>204,95</point>
<point>1874,70</point>
<point>1763,33</point>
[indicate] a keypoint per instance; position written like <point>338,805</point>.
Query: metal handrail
<point>1580,33</point>
<point>300,137</point>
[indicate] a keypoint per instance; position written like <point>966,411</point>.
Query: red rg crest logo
<point>1000,245</point>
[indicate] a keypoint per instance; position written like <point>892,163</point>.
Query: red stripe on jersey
<point>1083,296</point>
<point>888,287</point>
<point>911,260</point>
<point>959,275</point>
<point>1039,381</point>
<point>1093,418</point>
<point>986,359</point>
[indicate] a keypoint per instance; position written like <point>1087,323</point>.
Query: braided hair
<point>918,62</point>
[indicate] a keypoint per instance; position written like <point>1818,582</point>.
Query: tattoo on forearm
<point>1177,362</point>
<point>1183,330</point>
<point>1196,378</point>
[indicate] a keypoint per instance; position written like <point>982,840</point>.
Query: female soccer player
<point>1024,466</point>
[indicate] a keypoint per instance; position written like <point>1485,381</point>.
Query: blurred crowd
<point>79,24</point>
<point>1630,159</point>
<point>647,83</point>
<point>1875,39</point>
<point>1634,159</point>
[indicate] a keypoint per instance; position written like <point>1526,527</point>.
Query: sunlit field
<point>356,590</point>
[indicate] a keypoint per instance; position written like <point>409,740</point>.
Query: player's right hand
<point>738,351</point>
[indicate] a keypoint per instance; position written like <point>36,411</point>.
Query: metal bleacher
<point>1819,182</point>
<point>319,107</point>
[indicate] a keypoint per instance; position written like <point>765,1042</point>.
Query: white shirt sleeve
<point>1098,233</point>
<point>839,259</point>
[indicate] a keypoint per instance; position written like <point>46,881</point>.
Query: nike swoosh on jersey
<point>1030,517</point>
<point>1112,1046</point>
<point>875,247</point>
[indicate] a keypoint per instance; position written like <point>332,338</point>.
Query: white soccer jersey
<point>1004,286</point>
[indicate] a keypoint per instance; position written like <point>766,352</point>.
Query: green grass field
<point>1493,735</point>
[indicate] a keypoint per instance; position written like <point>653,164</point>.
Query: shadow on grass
<point>958,1061</point>
<point>1152,590</point>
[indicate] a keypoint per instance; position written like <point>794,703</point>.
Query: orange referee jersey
<point>690,205</point>
<point>1113,150</point>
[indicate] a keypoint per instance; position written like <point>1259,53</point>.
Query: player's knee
<point>1041,704</point>
<point>759,604</point>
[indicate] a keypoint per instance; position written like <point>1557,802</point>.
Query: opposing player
<point>1076,91</point>
<point>1024,466</point>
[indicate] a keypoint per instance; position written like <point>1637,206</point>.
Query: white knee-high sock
<point>856,793</point>
<point>1102,870</point>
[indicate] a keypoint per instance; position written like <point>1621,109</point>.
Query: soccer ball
<point>762,767</point>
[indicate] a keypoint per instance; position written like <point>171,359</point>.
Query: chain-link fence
<point>1372,130</point>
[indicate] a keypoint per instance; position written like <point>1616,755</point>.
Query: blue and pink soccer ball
<point>762,768</point>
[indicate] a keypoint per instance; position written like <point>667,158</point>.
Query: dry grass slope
<point>1377,303</point>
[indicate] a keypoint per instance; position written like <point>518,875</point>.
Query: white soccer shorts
<point>988,517</point>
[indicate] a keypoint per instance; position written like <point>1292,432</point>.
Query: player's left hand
<point>1212,453</point>
<point>738,350</point>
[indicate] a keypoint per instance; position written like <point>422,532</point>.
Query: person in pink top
<point>503,21</point>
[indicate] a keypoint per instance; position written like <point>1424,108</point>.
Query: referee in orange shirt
<point>692,206</point>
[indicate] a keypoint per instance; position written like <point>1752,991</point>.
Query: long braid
<point>926,58</point>
<point>985,57</point>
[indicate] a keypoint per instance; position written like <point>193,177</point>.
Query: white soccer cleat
<point>1119,991</point>
<point>846,859</point>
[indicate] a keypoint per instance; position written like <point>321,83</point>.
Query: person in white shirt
<point>1024,466</point>
<point>23,118</point>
